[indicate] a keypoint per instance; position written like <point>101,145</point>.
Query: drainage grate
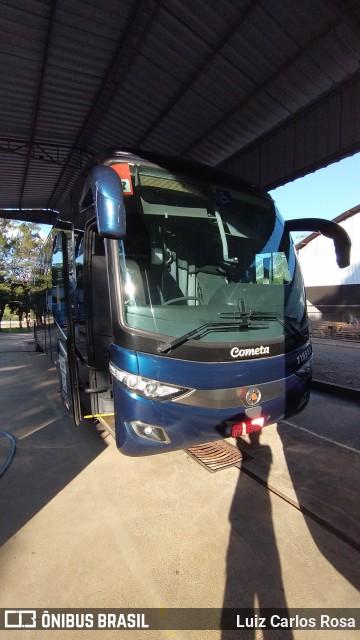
<point>217,455</point>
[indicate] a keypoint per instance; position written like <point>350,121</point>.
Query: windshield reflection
<point>194,253</point>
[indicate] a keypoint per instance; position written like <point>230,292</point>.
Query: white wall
<point>318,261</point>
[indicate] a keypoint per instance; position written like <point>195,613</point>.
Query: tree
<point>19,250</point>
<point>6,245</point>
<point>19,298</point>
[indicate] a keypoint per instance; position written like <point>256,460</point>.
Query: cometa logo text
<point>254,351</point>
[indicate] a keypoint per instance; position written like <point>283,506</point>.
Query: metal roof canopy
<point>269,90</point>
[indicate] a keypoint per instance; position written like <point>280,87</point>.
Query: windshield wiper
<point>240,320</point>
<point>286,321</point>
<point>203,330</point>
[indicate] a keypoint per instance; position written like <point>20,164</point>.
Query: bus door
<point>97,324</point>
<point>62,311</point>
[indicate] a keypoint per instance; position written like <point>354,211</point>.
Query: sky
<point>323,194</point>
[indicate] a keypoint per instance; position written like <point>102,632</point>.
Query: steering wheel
<point>169,258</point>
<point>173,300</point>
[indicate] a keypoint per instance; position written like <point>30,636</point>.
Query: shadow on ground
<point>50,452</point>
<point>254,578</point>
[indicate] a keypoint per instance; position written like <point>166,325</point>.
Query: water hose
<point>12,451</point>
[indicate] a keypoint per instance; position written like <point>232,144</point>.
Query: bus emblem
<point>253,396</point>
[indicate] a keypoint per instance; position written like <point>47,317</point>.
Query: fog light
<point>150,431</point>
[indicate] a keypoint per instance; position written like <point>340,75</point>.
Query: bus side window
<point>57,276</point>
<point>78,292</point>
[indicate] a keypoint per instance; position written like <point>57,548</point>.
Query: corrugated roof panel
<point>68,55</point>
<point>273,44</point>
<point>328,143</point>
<point>11,179</point>
<point>349,36</point>
<point>53,93</point>
<point>40,173</point>
<point>51,106</point>
<point>317,81</point>
<point>22,39</point>
<point>77,63</point>
<point>19,13</point>
<point>192,113</point>
<point>280,155</point>
<point>295,82</point>
<point>334,129</point>
<point>178,37</point>
<point>18,41</point>
<point>304,20</point>
<point>224,84</point>
<point>245,56</point>
<point>200,78</point>
<point>262,112</point>
<point>92,18</point>
<point>159,54</point>
<point>337,45</point>
<point>138,101</point>
<point>181,108</point>
<point>147,80</point>
<point>350,123</point>
<point>302,90</point>
<point>256,115</point>
<point>283,91</point>
<point>142,114</point>
<point>206,20</point>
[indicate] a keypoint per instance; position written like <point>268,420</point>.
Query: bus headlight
<point>146,387</point>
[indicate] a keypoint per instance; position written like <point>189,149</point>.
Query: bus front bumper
<point>145,426</point>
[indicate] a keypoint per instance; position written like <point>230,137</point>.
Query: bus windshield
<point>198,253</point>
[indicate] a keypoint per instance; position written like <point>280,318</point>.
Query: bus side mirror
<point>341,239</point>
<point>103,190</point>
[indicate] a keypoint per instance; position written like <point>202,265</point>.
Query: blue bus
<point>178,309</point>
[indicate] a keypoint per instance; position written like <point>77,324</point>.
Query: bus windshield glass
<point>199,253</point>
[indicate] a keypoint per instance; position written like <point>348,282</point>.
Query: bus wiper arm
<point>199,332</point>
<point>286,321</point>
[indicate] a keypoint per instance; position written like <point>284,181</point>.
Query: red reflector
<point>243,428</point>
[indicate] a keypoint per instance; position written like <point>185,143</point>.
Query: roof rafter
<point>119,67</point>
<point>39,95</point>
<point>49,152</point>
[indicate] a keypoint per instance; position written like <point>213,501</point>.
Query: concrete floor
<point>337,362</point>
<point>83,526</point>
